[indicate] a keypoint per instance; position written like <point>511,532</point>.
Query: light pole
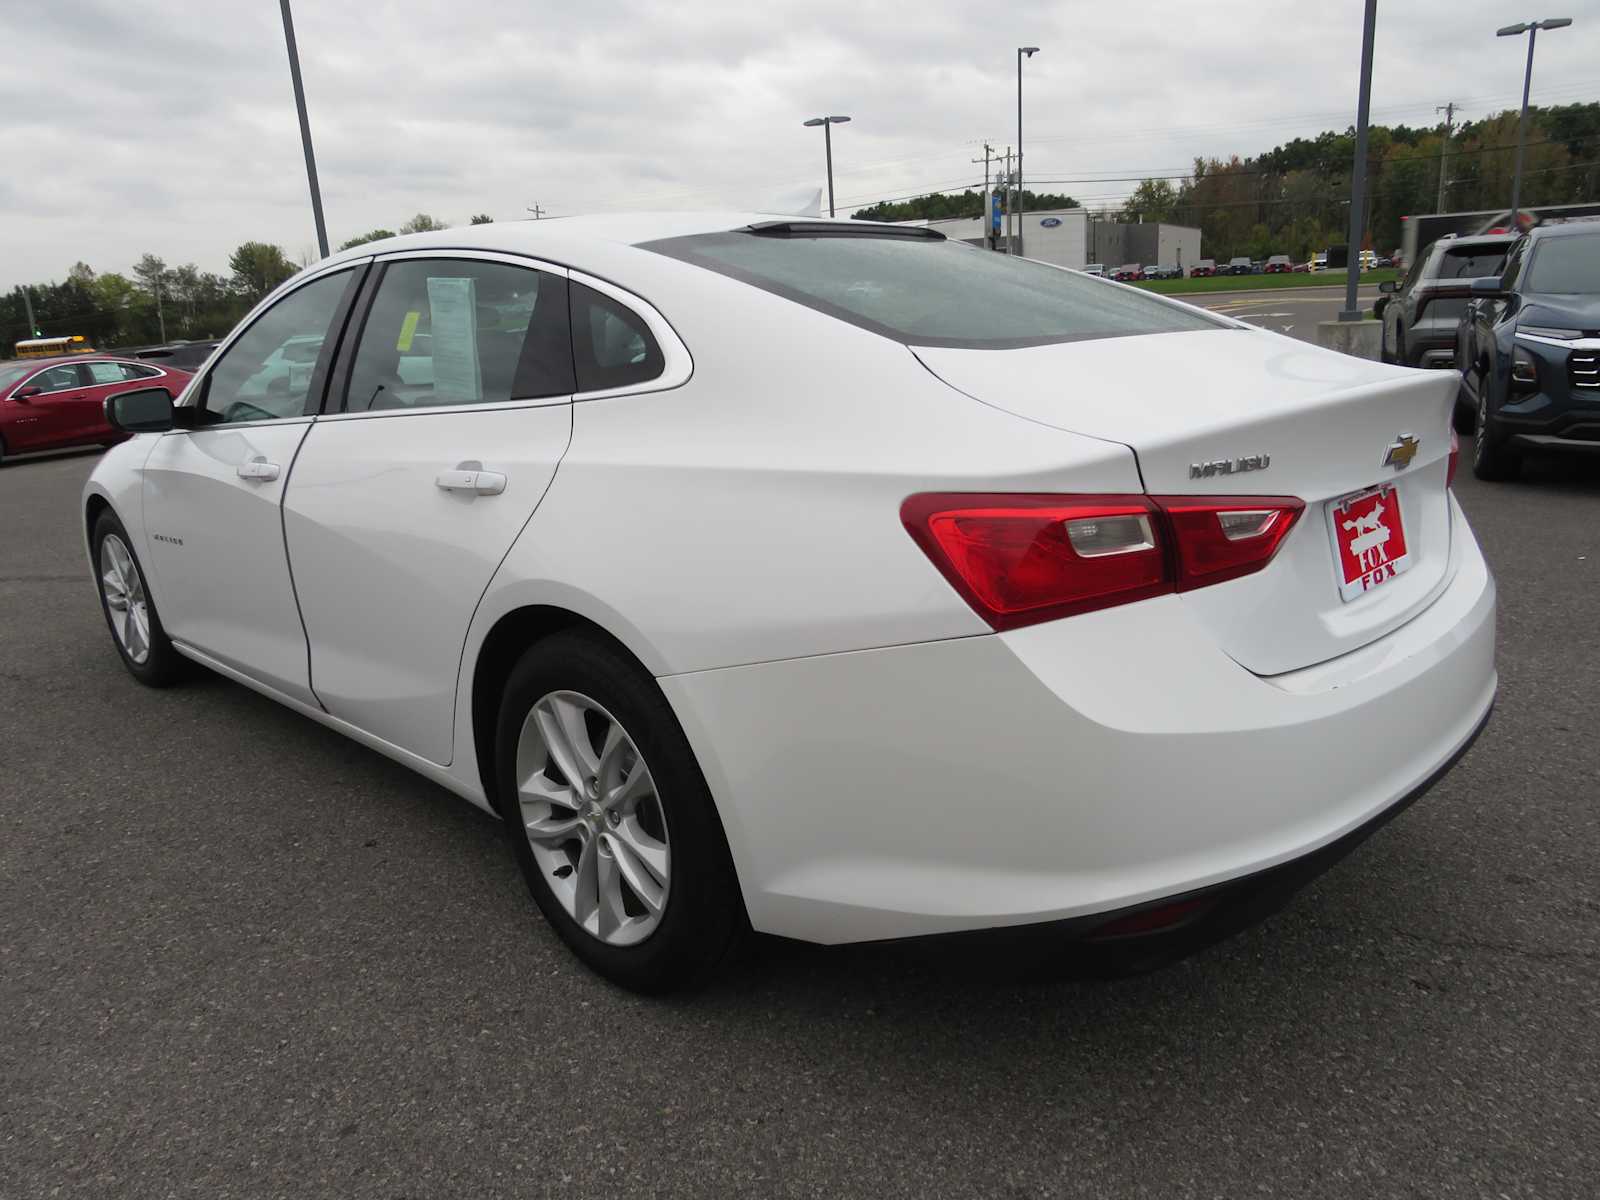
<point>827,124</point>
<point>1022,52</point>
<point>1531,28</point>
<point>305,127</point>
<point>1358,174</point>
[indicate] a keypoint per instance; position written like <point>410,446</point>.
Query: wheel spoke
<point>585,882</point>
<point>612,912</point>
<point>633,789</point>
<point>138,635</point>
<point>609,769</point>
<point>646,878</point>
<point>566,738</point>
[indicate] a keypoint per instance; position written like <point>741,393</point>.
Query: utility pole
<point>988,151</point>
<point>1022,52</point>
<point>1007,181</point>
<point>1449,111</point>
<point>305,127</point>
<point>536,210</point>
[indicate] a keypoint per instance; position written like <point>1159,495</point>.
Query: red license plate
<point>1369,539</point>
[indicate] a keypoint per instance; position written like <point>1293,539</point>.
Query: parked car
<point>1128,273</point>
<point>1302,268</point>
<point>1239,266</point>
<point>1319,261</point>
<point>722,682</point>
<point>1163,271</point>
<point>1096,269</point>
<point>1420,313</point>
<point>53,403</point>
<point>1529,351</point>
<point>1278,264</point>
<point>185,356</point>
<point>1203,269</point>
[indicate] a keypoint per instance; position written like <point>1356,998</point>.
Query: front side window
<point>266,374</point>
<point>58,379</point>
<point>459,331</point>
<point>1566,266</point>
<point>931,292</point>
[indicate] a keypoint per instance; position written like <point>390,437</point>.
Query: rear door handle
<point>259,469</point>
<point>470,476</point>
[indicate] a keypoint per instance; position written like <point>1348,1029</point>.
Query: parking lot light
<point>827,124</point>
<point>1531,28</point>
<point>1022,52</point>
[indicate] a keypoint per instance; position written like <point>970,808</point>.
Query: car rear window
<point>1569,265</point>
<point>932,292</point>
<point>1472,262</point>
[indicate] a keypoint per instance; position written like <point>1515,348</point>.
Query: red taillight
<point>1224,537</point>
<point>1021,559</point>
<point>1455,460</point>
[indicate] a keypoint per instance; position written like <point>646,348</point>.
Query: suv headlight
<point>1560,335</point>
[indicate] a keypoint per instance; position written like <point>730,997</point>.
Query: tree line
<point>154,302</point>
<point>1294,199</point>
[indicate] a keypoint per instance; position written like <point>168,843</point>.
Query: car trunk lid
<point>1246,412</point>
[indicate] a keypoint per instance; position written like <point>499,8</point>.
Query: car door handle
<point>471,477</point>
<point>258,468</point>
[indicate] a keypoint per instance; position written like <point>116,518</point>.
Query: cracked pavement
<point>241,956</point>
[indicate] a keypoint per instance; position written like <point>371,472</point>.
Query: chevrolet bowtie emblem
<point>1401,451</point>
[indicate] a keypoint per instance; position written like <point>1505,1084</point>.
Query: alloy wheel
<point>594,822</point>
<point>123,589</point>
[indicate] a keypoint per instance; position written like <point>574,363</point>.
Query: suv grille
<point>1583,368</point>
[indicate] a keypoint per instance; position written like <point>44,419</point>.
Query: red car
<point>49,403</point>
<point>1278,264</point>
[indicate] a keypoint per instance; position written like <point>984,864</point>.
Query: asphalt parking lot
<point>242,956</point>
<point>1294,311</point>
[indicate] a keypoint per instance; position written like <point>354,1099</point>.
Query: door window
<point>461,331</point>
<point>611,345</point>
<point>114,372</point>
<point>58,379</point>
<point>266,375</point>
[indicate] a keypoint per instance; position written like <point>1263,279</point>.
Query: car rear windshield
<point>1472,262</point>
<point>931,292</point>
<point>1569,265</point>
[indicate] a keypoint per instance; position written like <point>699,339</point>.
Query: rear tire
<point>674,910</point>
<point>129,609</point>
<point>1493,458</point>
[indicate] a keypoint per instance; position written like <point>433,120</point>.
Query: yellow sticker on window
<point>408,330</point>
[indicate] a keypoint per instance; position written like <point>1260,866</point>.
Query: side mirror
<point>27,393</point>
<point>1388,285</point>
<point>147,410</point>
<point>1487,288</point>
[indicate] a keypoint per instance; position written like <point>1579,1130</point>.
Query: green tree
<point>422,223</point>
<point>483,219</point>
<point>258,267</point>
<point>1152,200</point>
<point>372,235</point>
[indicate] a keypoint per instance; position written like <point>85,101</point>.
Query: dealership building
<point>1073,237</point>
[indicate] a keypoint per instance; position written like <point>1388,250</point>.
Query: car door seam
<point>288,559</point>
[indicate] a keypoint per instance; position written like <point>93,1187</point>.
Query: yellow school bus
<point>53,346</point>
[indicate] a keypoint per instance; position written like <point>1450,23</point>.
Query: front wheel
<point>610,818</point>
<point>129,609</point>
<point>1492,457</point>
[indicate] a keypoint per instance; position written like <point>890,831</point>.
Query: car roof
<point>1479,241</point>
<point>57,359</point>
<point>1565,229</point>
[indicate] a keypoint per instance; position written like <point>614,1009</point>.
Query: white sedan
<point>827,579</point>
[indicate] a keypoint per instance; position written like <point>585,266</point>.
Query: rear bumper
<point>1066,772</point>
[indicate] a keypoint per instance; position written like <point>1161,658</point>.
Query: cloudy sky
<point>168,126</point>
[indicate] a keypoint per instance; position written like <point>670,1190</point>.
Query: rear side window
<point>928,292</point>
<point>460,331</point>
<point>612,347</point>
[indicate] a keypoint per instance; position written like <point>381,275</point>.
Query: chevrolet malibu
<point>827,579</point>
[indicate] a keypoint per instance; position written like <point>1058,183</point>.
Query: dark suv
<point>1420,313</point>
<point>1529,349</point>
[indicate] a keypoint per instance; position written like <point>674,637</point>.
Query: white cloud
<point>169,127</point>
